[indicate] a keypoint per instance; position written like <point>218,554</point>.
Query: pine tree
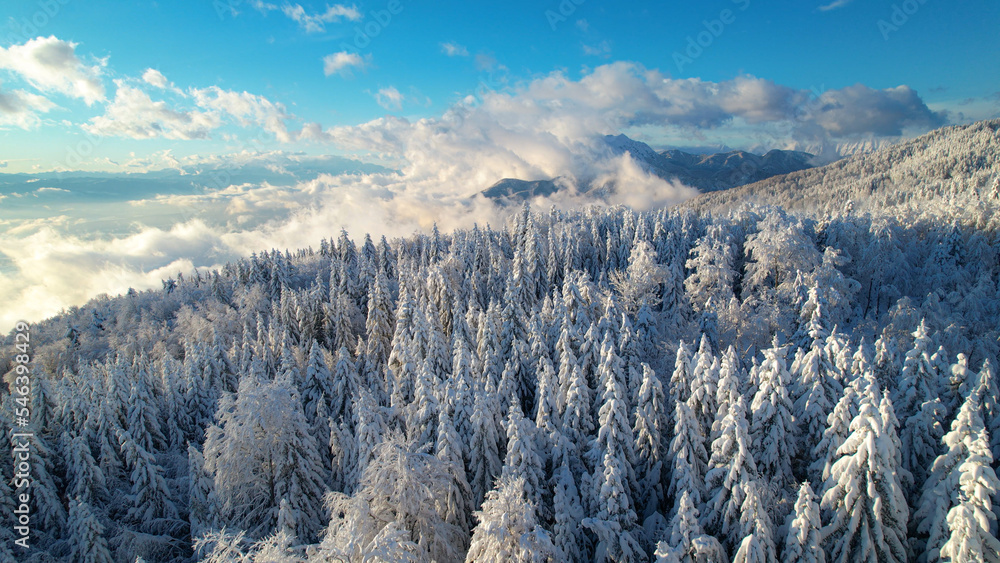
<point>687,455</point>
<point>368,433</point>
<point>151,505</point>
<point>816,398</point>
<point>484,450</point>
<point>756,524</point>
<point>987,392</point>
<point>422,413</point>
<point>450,449</point>
<point>651,445</point>
<point>771,427</point>
<point>680,380</point>
<point>508,529</point>
<point>917,381</point>
<point>803,542</point>
<point>704,385</point>
<point>264,427</point>
<point>971,522</point>
<point>317,385</point>
<point>728,391</point>
<point>85,479</point>
<point>201,495</point>
<point>729,470</point>
<point>522,459</point>
<point>688,542</point>
<point>568,511</point>
<point>86,539</point>
<point>942,490</point>
<point>615,519</point>
<point>143,416</point>
<point>863,496</point>
<point>920,441</point>
<point>578,420</point>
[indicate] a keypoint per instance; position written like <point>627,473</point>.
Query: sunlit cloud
<point>342,62</point>
<point>50,64</point>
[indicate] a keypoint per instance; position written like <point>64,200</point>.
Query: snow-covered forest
<point>712,382</point>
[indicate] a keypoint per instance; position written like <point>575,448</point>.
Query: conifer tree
<point>972,522</point>
<point>756,524</point>
<point>730,468</point>
<point>687,456</point>
<point>651,445</point>
<point>450,449</point>
<point>942,489</point>
<point>567,509</point>
<point>484,451</point>
<point>803,544</point>
<point>772,427</point>
<point>508,529</point>
<point>863,496</point>
<point>522,459</point>
<point>86,540</point>
<point>688,542</point>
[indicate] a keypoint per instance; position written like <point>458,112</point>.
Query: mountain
<point>952,172</point>
<point>712,172</point>
<point>708,173</point>
<point>514,189</point>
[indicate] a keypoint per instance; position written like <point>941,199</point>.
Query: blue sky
<point>947,53</point>
<point>236,120</point>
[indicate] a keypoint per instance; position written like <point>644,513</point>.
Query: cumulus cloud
<point>134,114</point>
<point>155,78</point>
<point>454,50</point>
<point>551,126</point>
<point>246,108</point>
<point>51,65</point>
<point>390,98</point>
<point>21,109</point>
<point>342,62</point>
<point>858,109</point>
<point>188,115</point>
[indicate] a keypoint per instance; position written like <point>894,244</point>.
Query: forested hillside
<point>951,174</point>
<point>723,381</point>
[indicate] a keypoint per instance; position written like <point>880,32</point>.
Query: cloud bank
<point>548,127</point>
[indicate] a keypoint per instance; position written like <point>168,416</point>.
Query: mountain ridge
<point>709,172</point>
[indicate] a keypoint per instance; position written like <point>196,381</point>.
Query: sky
<point>242,125</point>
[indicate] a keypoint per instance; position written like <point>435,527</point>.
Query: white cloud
<point>134,114</point>
<point>602,49</point>
<point>188,115</point>
<point>454,50</point>
<point>155,78</point>
<point>389,98</point>
<point>51,65</point>
<point>21,109</point>
<point>315,23</point>
<point>859,110</point>
<point>342,62</point>
<point>247,108</point>
<point>834,5</point>
<point>311,23</point>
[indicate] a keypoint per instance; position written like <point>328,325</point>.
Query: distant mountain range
<point>708,173</point>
